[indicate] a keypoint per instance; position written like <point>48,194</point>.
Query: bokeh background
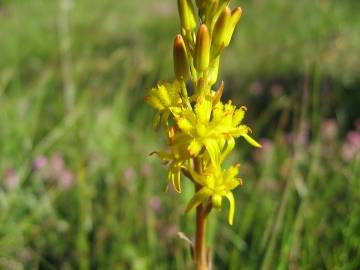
<point>78,189</point>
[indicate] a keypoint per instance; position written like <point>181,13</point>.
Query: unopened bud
<point>202,50</point>
<point>235,17</point>
<point>187,14</point>
<point>181,66</point>
<point>220,30</point>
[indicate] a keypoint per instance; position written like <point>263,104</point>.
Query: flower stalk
<point>200,253</point>
<point>199,127</point>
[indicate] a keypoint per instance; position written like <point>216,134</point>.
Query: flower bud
<point>220,30</point>
<point>202,49</point>
<point>181,66</point>
<point>187,14</point>
<point>235,17</point>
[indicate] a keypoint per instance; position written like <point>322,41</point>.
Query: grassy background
<point>77,187</point>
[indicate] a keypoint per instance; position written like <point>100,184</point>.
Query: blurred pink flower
<point>11,179</point>
<point>329,129</point>
<point>65,179</point>
<point>145,170</point>
<point>57,164</point>
<point>352,146</point>
<point>129,174</point>
<point>353,137</point>
<point>155,203</point>
<point>40,163</point>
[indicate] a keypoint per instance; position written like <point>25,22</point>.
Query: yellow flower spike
<point>181,66</point>
<point>202,49</point>
<point>235,17</point>
<point>220,31</point>
<point>187,14</point>
<point>201,129</point>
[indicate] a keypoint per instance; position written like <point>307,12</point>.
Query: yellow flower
<point>215,184</point>
<point>177,158</point>
<point>210,126</point>
<point>166,98</point>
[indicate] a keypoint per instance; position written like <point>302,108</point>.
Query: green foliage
<point>295,64</point>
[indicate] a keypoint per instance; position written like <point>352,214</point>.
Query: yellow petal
<point>231,199</point>
<point>154,101</point>
<point>251,140</point>
<point>194,148</point>
<point>239,115</point>
<point>239,131</point>
<point>230,144</point>
<point>213,149</point>
<point>203,110</point>
<point>198,178</point>
<point>184,124</point>
<point>176,181</point>
<point>164,119</point>
<point>233,183</point>
<point>164,95</point>
<point>201,196</point>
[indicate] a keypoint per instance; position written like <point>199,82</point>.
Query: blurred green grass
<point>94,203</point>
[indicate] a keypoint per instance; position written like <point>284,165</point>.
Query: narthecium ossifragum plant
<point>199,127</point>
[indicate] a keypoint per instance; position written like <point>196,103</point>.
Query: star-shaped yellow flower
<point>210,126</point>
<point>165,98</point>
<point>216,183</point>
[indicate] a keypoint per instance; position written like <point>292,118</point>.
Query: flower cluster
<point>199,127</point>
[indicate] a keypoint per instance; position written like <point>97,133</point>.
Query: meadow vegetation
<point>78,189</point>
